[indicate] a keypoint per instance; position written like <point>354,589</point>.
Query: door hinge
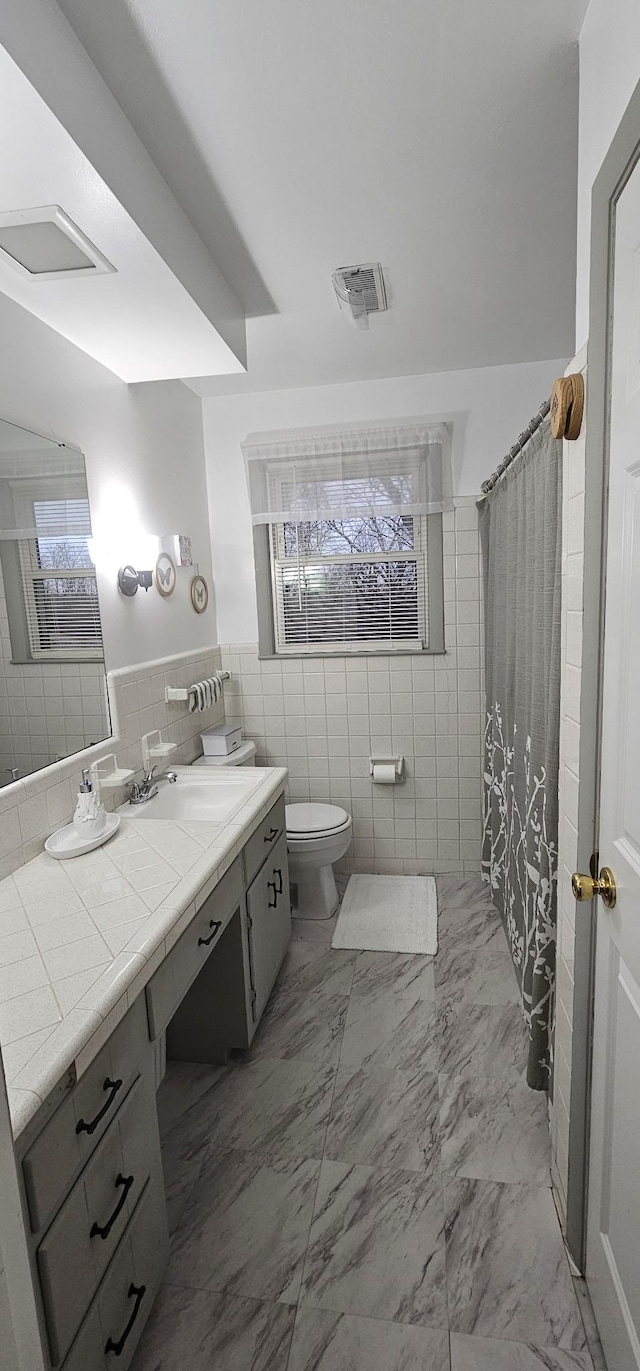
<point>249,920</point>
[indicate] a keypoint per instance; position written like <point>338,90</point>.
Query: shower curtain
<point>520,530</point>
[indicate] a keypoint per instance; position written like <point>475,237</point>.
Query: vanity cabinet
<point>111,1331</point>
<point>209,1014</point>
<point>261,843</point>
<point>168,987</point>
<point>90,1162</point>
<point>74,1130</point>
<point>94,1194</point>
<point>269,924</point>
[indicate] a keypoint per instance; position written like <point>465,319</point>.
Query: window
<point>357,584</point>
<point>348,538</point>
<point>58,577</point>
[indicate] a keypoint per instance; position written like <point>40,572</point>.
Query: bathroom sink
<point>195,796</point>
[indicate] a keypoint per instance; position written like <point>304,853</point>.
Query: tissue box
<point>220,740</point>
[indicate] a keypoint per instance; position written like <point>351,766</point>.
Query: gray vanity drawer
<point>179,969</point>
<point>68,1139</point>
<point>122,1304</point>
<point>80,1243</point>
<point>260,844</point>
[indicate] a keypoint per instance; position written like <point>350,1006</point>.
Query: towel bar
<point>174,694</point>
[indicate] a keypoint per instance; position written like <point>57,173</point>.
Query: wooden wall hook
<point>567,406</point>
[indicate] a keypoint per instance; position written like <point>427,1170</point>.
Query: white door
<point>613,1222</point>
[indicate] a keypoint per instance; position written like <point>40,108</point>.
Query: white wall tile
<point>337,711</point>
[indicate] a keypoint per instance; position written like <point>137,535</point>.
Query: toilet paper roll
<point>384,773</point>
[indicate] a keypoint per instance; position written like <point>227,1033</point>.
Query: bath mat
<point>389,914</point>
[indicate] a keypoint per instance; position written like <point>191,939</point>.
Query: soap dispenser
<point>89,817</point>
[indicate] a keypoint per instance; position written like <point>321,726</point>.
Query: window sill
<point>58,661</point>
<point>348,656</point>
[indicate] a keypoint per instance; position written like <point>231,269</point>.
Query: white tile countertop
<point>79,939</point>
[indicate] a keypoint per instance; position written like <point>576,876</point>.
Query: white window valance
<point>302,475</point>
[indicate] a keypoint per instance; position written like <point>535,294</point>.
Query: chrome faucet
<point>147,789</point>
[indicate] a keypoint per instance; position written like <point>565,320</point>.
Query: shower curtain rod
<point>514,451</point>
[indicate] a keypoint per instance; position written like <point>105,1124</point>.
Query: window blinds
<point>360,583</point>
<point>59,581</point>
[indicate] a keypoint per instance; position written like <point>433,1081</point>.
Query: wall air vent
<point>44,244</point>
<point>360,291</point>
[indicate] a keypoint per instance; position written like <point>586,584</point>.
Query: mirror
<point>53,696</point>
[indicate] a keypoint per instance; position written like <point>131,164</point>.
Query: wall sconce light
<point>129,580</point>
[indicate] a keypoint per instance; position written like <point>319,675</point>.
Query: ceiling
<point>138,320</point>
<point>303,135</point>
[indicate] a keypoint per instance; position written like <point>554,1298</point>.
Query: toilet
<point>318,835</point>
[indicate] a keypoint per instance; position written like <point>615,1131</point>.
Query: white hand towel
<point>205,694</point>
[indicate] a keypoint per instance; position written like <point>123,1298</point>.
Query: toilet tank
<point>245,755</point>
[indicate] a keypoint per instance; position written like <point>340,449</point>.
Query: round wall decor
<point>165,575</point>
<point>199,594</point>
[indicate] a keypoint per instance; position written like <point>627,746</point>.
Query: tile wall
<point>571,669</point>
<point>323,717</point>
<point>47,710</point>
<point>32,808</point>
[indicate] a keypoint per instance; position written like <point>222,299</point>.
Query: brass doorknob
<point>604,885</point>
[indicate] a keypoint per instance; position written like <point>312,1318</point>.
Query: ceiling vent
<point>44,244</point>
<point>361,292</point>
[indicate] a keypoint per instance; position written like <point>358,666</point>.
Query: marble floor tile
<point>185,1086</point>
<point>277,1107</point>
<point>195,1330</point>
<point>390,1030</point>
<point>306,1014</point>
<point>308,963</point>
<point>481,1040</point>
<point>491,1354</point>
<point>326,1341</point>
<point>457,890</point>
<point>314,930</point>
<point>476,976</point>
<point>180,1178</point>
<point>396,971</point>
<point>185,1139</point>
<point>376,1245</point>
<point>245,1227</point>
<point>476,926</point>
<point>507,1272</point>
<point>384,1118</point>
<point>186,1102</point>
<point>494,1131</point>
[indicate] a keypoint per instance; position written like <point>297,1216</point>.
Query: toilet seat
<point>308,821</point>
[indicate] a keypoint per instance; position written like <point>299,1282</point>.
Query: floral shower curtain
<point>520,529</point>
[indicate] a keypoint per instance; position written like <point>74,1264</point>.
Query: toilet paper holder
<point>379,760</point>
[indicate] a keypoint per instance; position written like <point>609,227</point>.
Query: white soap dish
<point>66,842</point>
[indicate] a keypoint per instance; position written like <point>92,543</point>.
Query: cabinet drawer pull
<point>214,925</point>
<point>277,872</point>
<point>113,1087</point>
<point>269,837</point>
<point>96,1231</point>
<point>118,1347</point>
<point>271,885</point>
